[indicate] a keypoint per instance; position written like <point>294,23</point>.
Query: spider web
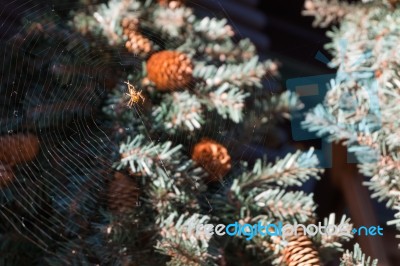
<point>54,87</point>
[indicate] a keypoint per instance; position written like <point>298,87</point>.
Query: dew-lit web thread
<point>151,139</point>
<point>26,198</point>
<point>21,204</point>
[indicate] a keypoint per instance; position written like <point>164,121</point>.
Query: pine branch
<point>108,17</point>
<point>330,245</point>
<point>228,101</point>
<point>356,258</point>
<point>229,52</point>
<point>172,23</point>
<point>179,110</point>
<point>144,157</point>
<point>172,189</point>
<point>326,12</point>
<point>294,169</point>
<point>247,74</point>
<point>185,248</point>
<point>286,206</point>
<point>126,239</point>
<point>167,195</point>
<point>213,29</point>
<point>396,221</point>
<point>85,24</point>
<point>279,105</point>
<point>115,107</point>
<point>322,122</point>
<point>363,98</point>
<point>295,249</point>
<point>385,178</point>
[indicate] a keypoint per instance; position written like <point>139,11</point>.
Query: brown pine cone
<point>213,157</point>
<point>169,70</point>
<point>123,194</point>
<point>129,25</point>
<point>300,251</point>
<point>6,175</point>
<point>172,3</point>
<point>138,44</point>
<point>18,148</point>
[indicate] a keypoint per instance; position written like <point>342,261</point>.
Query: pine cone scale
<point>213,157</point>
<point>136,42</point>
<point>170,70</point>
<point>300,251</point>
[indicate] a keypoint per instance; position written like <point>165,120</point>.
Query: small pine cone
<point>123,194</point>
<point>6,175</point>
<point>172,3</point>
<point>138,44</point>
<point>18,148</point>
<point>213,157</point>
<point>300,251</point>
<point>169,70</point>
<point>129,25</point>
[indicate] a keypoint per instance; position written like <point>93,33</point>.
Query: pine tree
<point>362,100</point>
<point>116,184</point>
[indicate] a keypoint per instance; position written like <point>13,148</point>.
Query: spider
<point>134,95</point>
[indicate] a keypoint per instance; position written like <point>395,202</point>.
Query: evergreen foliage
<point>361,104</point>
<point>69,73</point>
